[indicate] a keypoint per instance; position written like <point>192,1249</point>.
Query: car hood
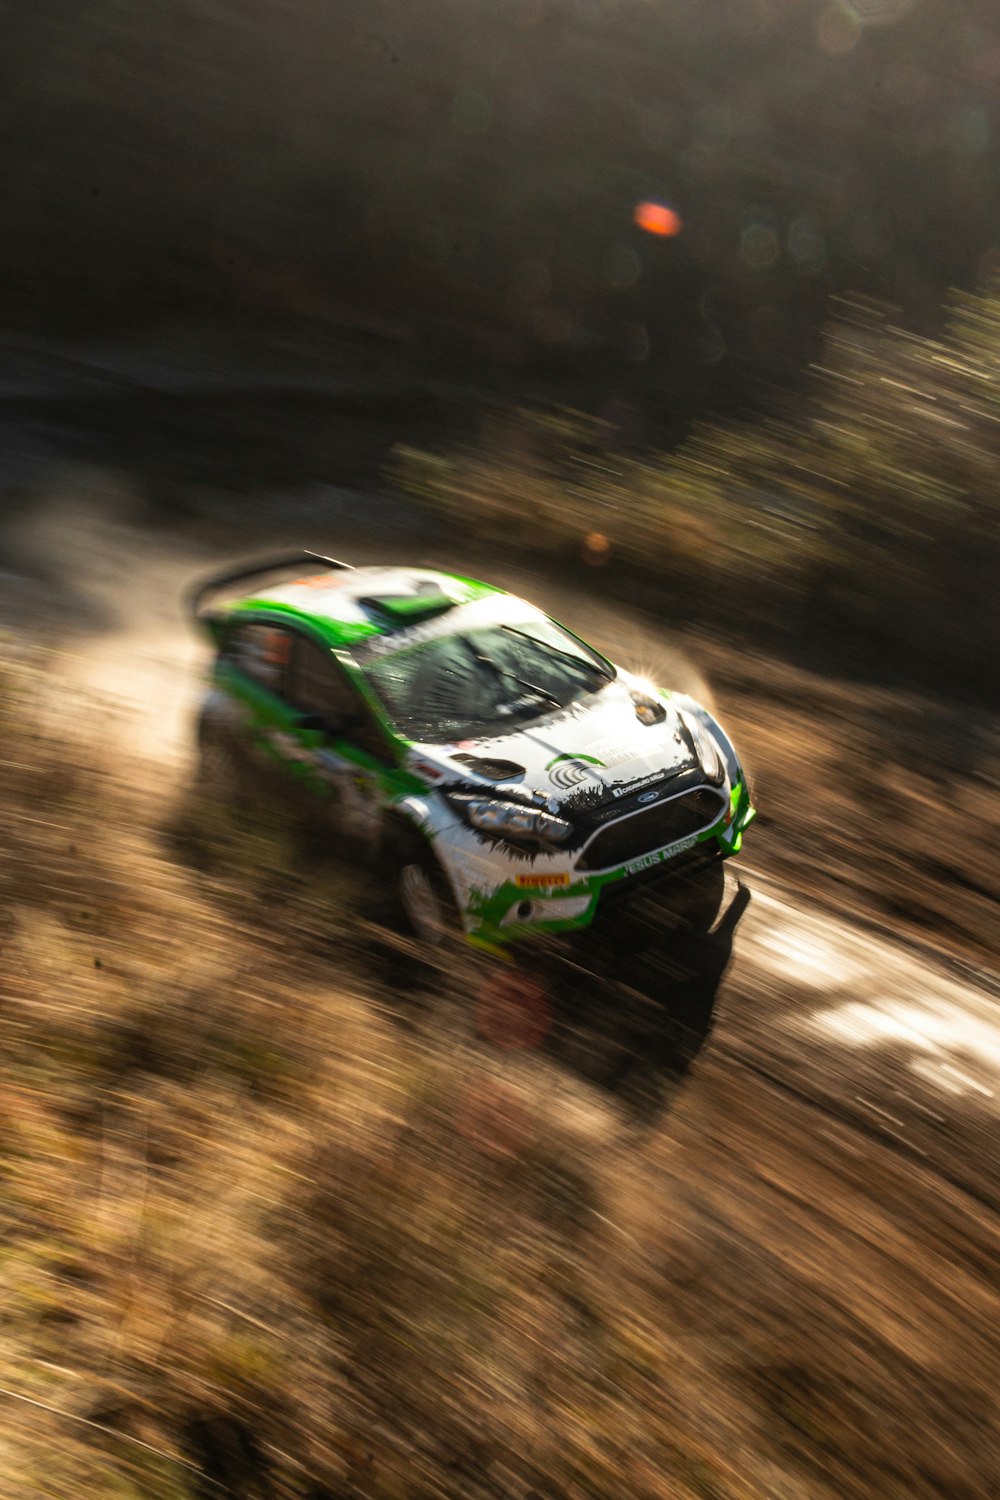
<point>592,752</point>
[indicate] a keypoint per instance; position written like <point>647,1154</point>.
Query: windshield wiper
<point>607,673</point>
<point>502,671</point>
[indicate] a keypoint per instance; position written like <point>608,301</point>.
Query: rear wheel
<point>218,773</point>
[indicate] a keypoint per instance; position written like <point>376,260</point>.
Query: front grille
<point>642,832</point>
<point>682,868</point>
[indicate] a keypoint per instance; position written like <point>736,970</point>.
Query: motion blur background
<point>439,209</point>
<point>683,318</point>
<point>465,175</point>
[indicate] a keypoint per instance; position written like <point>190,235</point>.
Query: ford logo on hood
<point>648,796</point>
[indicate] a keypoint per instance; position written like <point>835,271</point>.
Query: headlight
<point>510,820</point>
<point>711,762</point>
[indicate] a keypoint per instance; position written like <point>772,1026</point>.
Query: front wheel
<point>425,904</point>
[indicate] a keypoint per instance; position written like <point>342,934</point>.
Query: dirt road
<point>902,1040</point>
<point>828,1211</point>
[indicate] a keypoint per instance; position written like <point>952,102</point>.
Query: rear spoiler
<point>198,598</point>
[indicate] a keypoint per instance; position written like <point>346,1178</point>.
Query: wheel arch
<point>410,825</point>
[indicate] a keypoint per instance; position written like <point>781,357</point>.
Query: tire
<point>218,771</point>
<point>423,902</point>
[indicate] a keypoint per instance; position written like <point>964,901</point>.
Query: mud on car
<point>500,777</point>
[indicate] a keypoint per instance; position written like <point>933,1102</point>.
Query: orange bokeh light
<point>657,218</point>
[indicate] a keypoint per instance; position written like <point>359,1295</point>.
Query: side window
<point>263,652</point>
<point>316,685</point>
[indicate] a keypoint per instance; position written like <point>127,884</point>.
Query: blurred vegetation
<point>874,509</point>
<point>278,1225</point>
<point>269,1228</point>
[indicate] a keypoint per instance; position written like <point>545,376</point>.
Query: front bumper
<point>563,899</point>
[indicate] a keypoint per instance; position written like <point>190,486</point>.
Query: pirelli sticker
<point>537,882</point>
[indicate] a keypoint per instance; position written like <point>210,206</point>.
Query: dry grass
<point>878,801</point>
<point>871,512</point>
<point>277,1224</point>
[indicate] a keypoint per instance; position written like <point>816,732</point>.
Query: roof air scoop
<point>397,611</point>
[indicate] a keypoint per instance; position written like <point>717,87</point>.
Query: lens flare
<point>657,218</point>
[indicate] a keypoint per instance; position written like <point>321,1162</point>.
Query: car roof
<point>349,605</point>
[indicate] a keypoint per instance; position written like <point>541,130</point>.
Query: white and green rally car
<point>500,774</point>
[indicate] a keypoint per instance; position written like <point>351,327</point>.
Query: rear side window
<point>262,652</point>
<point>309,679</point>
<point>317,685</point>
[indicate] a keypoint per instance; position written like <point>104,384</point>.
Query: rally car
<point>500,776</point>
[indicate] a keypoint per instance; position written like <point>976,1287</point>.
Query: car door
<point>253,708</point>
<point>333,745</point>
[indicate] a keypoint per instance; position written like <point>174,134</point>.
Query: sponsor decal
<point>537,882</point>
<point>626,789</point>
<point>636,866</point>
<point>615,752</point>
<point>319,581</point>
<point>567,771</point>
<point>422,768</point>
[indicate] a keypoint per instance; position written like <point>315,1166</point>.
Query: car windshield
<point>484,681</point>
